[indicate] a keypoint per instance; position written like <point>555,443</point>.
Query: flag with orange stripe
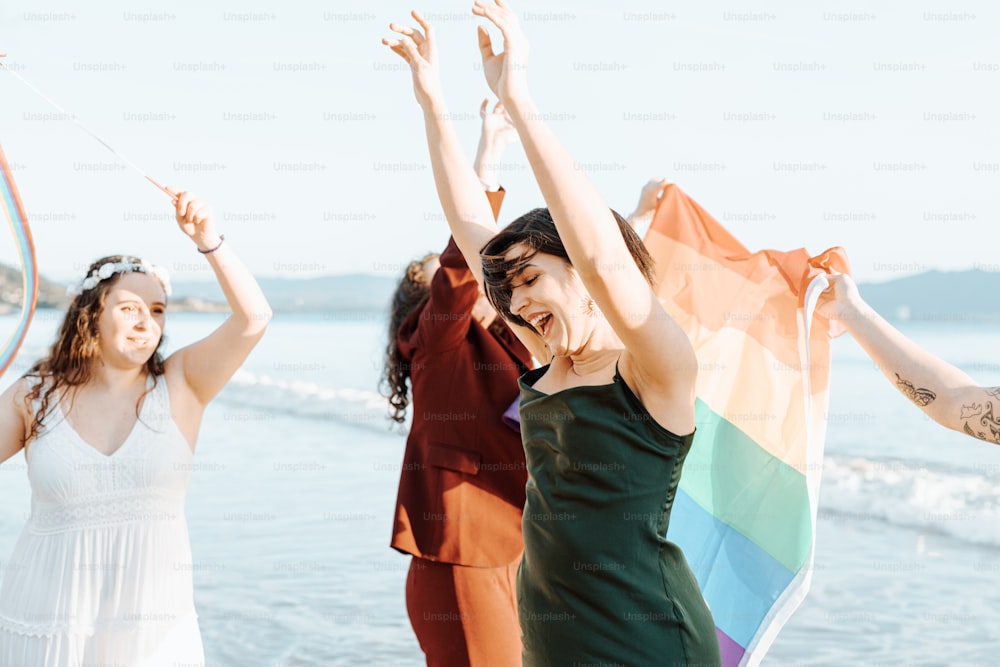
<point>745,513</point>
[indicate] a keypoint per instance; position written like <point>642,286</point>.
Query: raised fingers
<point>404,48</point>
<point>503,18</point>
<point>199,212</point>
<point>485,43</point>
<point>428,29</point>
<point>396,45</point>
<point>194,205</point>
<point>406,30</point>
<point>498,14</point>
<point>181,203</point>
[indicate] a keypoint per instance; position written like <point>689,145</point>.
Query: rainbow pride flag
<point>745,512</point>
<point>13,211</point>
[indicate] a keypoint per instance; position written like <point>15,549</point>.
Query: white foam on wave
<point>960,503</point>
<point>355,407</point>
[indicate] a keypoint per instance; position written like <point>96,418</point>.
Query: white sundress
<point>102,572</point>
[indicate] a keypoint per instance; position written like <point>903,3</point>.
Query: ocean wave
<point>961,503</point>
<point>264,395</point>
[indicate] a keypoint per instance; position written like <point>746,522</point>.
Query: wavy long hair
<point>70,362</point>
<point>411,294</point>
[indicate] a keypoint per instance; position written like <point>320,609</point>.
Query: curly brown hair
<point>69,363</point>
<point>411,294</point>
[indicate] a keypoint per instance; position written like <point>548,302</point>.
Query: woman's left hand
<point>194,217</point>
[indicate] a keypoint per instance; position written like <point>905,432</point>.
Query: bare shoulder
<point>15,417</point>
<point>671,406</point>
<point>177,385</point>
<point>554,377</point>
<point>16,395</point>
<point>185,407</point>
<point>183,400</point>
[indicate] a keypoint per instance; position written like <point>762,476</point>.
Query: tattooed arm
<point>946,394</point>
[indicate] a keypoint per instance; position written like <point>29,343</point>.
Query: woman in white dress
<point>101,574</point>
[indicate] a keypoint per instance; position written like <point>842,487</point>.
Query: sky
<point>871,125</point>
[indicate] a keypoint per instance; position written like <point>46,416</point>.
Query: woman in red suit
<point>461,487</point>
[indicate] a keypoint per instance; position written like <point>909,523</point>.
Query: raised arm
<point>468,212</point>
<point>454,290</point>
<point>945,394</point>
<point>665,360</point>
<point>209,363</point>
<point>459,190</point>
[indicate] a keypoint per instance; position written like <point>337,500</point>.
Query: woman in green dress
<point>598,583</point>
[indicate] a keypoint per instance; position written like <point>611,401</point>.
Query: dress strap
<point>155,410</point>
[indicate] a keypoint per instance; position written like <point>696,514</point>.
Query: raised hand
<point>498,133</point>
<point>498,130</point>
<point>207,364</point>
<point>505,72</point>
<point>194,217</point>
<point>841,300</point>
<point>649,199</point>
<point>419,49</point>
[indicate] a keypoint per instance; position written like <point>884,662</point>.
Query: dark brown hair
<point>411,294</point>
<point>71,358</point>
<point>537,231</point>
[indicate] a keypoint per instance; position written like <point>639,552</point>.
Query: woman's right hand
<point>419,49</point>
<point>841,300</point>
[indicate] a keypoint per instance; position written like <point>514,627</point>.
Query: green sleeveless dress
<point>599,583</point>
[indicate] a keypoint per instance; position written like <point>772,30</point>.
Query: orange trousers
<point>464,616</point>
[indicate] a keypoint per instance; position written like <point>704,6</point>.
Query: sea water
<point>291,504</point>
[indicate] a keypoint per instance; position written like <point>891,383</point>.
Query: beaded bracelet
<point>222,237</point>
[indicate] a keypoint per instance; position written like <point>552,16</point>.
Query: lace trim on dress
<point>103,511</point>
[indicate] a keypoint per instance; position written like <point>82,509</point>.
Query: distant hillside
<point>958,296</point>
<point>932,296</point>
<point>324,294</point>
<point>53,295</point>
<point>50,294</point>
<point>955,296</point>
<point>353,292</point>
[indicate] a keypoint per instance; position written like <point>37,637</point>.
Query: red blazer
<point>461,486</point>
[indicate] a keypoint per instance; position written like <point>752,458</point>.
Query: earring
<point>589,306</point>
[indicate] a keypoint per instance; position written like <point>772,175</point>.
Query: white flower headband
<point>108,269</point>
